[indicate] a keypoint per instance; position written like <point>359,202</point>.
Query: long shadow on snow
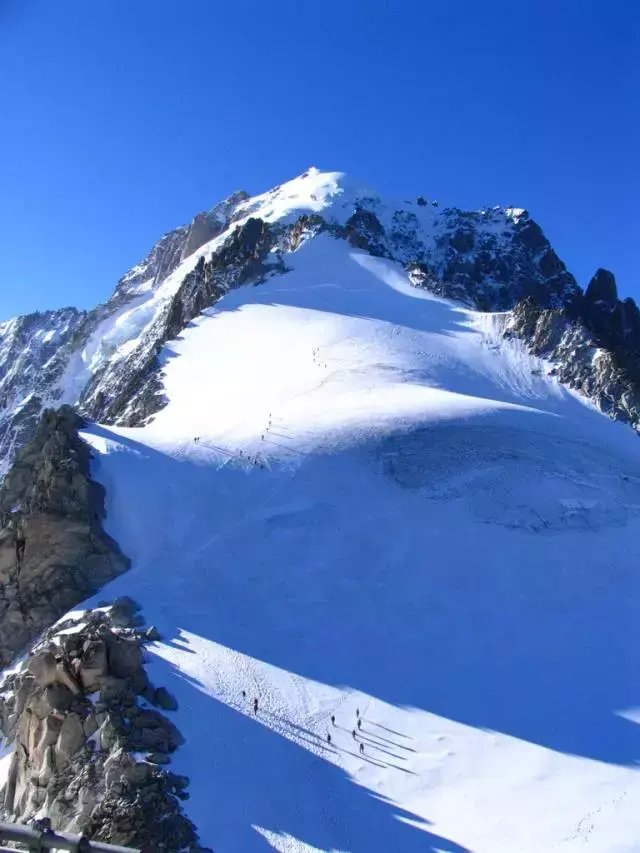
<point>254,767</point>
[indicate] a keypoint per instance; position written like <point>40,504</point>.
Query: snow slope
<point>388,510</point>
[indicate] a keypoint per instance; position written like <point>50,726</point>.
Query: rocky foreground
<point>91,739</point>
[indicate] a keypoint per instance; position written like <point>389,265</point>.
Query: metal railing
<point>43,840</point>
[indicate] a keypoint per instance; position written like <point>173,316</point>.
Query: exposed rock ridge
<point>49,499</point>
<point>135,391</point>
<point>592,343</point>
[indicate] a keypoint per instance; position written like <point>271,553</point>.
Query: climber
<point>354,734</point>
<point>244,694</point>
<point>333,720</point>
<point>359,724</point>
<point>255,706</point>
<point>362,748</point>
<point>329,738</point>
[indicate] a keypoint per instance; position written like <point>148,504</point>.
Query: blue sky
<point>121,120</point>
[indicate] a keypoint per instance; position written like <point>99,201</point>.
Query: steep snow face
<point>362,502</point>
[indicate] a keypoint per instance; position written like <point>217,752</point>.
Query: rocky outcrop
<point>49,494</point>
<point>175,246</point>
<point>89,752</point>
<point>592,347</point>
<point>363,230</point>
<point>135,389</point>
<point>492,259</point>
<point>602,289</point>
<point>42,353</point>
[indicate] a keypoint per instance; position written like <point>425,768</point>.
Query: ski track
<point>441,537</point>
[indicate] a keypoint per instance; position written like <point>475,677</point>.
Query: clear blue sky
<point>121,119</point>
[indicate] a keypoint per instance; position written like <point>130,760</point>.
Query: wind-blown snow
<point>388,510</point>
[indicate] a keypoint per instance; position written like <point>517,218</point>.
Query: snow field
<point>386,509</point>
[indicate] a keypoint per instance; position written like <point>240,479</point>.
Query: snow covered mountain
<point>350,487</point>
<point>106,361</point>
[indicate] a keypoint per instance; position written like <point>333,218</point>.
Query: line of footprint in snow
<point>309,726</point>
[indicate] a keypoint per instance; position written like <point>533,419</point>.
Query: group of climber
<point>353,733</point>
<point>333,721</point>
<point>255,701</point>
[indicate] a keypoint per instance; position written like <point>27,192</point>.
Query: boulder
<point>109,734</point>
<point>90,725</point>
<point>43,667</point>
<point>137,774</point>
<point>159,758</point>
<point>139,683</point>
<point>71,737</point>
<point>124,657</point>
<point>47,670</point>
<point>92,667</point>
<point>163,699</point>
<point>153,740</point>
<point>112,689</point>
<point>123,611</point>
<point>59,697</point>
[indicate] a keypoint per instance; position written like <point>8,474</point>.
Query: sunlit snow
<point>388,510</point>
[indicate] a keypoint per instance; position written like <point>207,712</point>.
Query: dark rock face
<point>463,240</point>
<point>49,495</point>
<point>75,759</point>
<point>489,260</point>
<point>595,358</point>
<point>363,230</point>
<point>602,288</point>
<point>532,236</point>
